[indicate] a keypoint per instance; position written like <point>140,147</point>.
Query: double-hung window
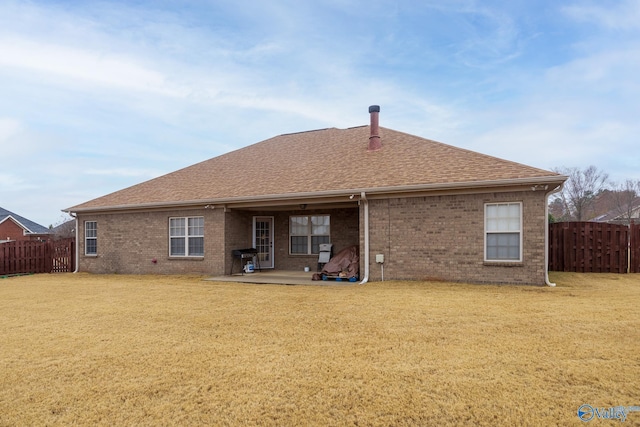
<point>186,236</point>
<point>307,232</point>
<point>91,238</point>
<point>503,232</point>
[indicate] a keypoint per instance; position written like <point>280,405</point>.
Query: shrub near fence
<point>23,257</point>
<point>594,247</point>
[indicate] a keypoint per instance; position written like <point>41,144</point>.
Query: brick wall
<point>9,230</point>
<point>442,238</point>
<point>128,242</point>
<point>436,237</point>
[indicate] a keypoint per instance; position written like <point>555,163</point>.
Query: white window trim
<point>309,235</point>
<point>186,236</point>
<point>520,232</point>
<point>87,238</point>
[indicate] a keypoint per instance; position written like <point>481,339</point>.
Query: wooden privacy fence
<point>23,257</point>
<point>634,246</point>
<point>594,247</point>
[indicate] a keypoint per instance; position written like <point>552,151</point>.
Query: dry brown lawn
<point>156,350</point>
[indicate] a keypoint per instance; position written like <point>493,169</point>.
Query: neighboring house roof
<point>324,162</point>
<point>29,226</point>
<point>66,229</point>
<point>620,214</point>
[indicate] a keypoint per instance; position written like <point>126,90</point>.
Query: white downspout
<point>546,235</point>
<point>363,197</point>
<point>77,244</point>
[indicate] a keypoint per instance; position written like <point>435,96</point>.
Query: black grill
<point>241,255</point>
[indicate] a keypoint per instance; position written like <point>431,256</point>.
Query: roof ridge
<point>304,131</point>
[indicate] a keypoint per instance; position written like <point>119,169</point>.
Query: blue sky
<point>97,96</point>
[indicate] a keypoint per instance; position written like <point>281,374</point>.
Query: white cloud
<point>492,40</point>
<point>77,65</point>
<point>8,129</point>
<point>124,172</point>
<point>10,183</point>
<point>18,142</point>
<point>547,142</point>
<point>600,70</point>
<point>623,15</point>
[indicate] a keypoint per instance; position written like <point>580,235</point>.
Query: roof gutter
<point>363,197</point>
<point>546,233</point>
<point>319,195</point>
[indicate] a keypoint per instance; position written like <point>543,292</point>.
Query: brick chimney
<point>374,140</point>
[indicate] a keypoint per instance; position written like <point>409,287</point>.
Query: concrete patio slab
<point>278,277</point>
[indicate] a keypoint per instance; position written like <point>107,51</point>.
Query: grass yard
<point>164,350</point>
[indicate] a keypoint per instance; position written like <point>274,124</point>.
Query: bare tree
<point>579,191</point>
<point>626,199</point>
<point>556,210</point>
<point>64,228</point>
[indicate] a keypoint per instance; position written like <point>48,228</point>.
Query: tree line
<point>589,194</point>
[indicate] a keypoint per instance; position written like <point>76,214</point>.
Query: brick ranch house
<point>433,211</point>
<point>14,227</point>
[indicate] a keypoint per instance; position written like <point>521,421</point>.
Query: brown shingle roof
<point>320,161</point>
